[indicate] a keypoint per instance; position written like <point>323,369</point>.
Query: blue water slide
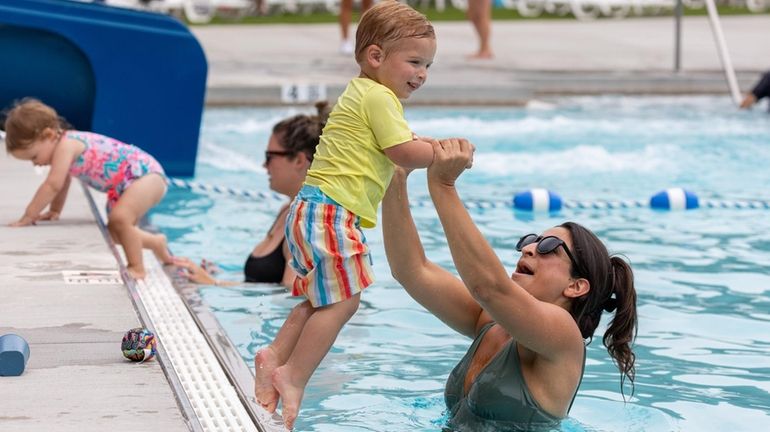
<point>136,76</point>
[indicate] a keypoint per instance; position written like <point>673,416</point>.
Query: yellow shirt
<point>349,163</point>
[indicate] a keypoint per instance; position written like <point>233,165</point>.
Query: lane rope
<point>534,200</point>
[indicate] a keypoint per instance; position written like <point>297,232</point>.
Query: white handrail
<point>724,55</point>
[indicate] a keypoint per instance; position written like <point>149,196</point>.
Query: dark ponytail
<point>612,290</point>
<point>621,331</point>
<point>301,133</point>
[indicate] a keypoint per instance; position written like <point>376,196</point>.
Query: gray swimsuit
<point>498,398</point>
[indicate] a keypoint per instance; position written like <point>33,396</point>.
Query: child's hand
<point>24,221</point>
<point>51,215</point>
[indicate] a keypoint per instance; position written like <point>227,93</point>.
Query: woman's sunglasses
<point>269,154</point>
<point>546,245</point>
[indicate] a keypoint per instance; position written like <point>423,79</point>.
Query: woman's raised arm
<point>439,291</point>
<point>542,327</point>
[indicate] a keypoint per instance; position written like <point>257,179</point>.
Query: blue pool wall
<point>136,76</point>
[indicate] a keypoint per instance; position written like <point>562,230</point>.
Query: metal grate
<point>211,395</point>
<point>208,392</point>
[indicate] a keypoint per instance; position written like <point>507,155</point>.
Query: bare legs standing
<point>347,44</point>
<point>480,14</point>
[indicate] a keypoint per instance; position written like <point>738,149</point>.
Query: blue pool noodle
<point>14,353</point>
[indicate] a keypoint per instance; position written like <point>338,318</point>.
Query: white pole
<point>678,9</point>
<point>724,55</point>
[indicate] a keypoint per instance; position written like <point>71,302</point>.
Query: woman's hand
<point>193,272</point>
<point>210,266</point>
<point>451,157</point>
<point>748,101</point>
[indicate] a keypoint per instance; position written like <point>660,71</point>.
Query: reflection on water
<point>703,350</point>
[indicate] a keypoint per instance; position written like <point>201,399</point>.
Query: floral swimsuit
<point>109,165</point>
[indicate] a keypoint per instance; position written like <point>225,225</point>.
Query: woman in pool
<point>529,328</point>
<point>289,152</point>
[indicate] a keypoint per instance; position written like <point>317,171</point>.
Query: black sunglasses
<point>269,154</point>
<point>546,245</point>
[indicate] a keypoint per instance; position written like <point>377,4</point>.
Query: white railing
<point>724,53</point>
<point>592,9</point>
<point>202,11</point>
<point>194,11</point>
<point>758,6</point>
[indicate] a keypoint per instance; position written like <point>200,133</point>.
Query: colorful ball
<point>139,344</point>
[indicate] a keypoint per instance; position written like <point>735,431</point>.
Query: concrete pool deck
<point>249,64</point>
<point>76,378</point>
<point>62,290</point>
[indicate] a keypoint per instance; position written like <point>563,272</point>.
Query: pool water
<point>703,347</point>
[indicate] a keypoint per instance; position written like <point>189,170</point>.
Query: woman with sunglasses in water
<point>289,152</point>
<point>530,328</point>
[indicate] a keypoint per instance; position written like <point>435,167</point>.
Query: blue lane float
<point>674,199</point>
<point>537,200</point>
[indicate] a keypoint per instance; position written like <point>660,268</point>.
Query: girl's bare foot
<point>136,272</point>
<point>291,395</point>
<point>159,246</point>
<point>265,363</point>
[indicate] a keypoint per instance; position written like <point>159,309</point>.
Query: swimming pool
<point>703,349</point>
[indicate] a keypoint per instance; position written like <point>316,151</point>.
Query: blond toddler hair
<point>387,22</point>
<point>26,121</point>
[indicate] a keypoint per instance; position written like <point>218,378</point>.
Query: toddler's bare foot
<point>291,395</point>
<point>136,272</point>
<point>265,362</point>
<point>159,247</point>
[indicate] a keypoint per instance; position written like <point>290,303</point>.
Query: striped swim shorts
<point>328,249</point>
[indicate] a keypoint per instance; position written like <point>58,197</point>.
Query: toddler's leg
<point>158,244</point>
<point>316,339</point>
<point>136,200</point>
<point>269,358</point>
